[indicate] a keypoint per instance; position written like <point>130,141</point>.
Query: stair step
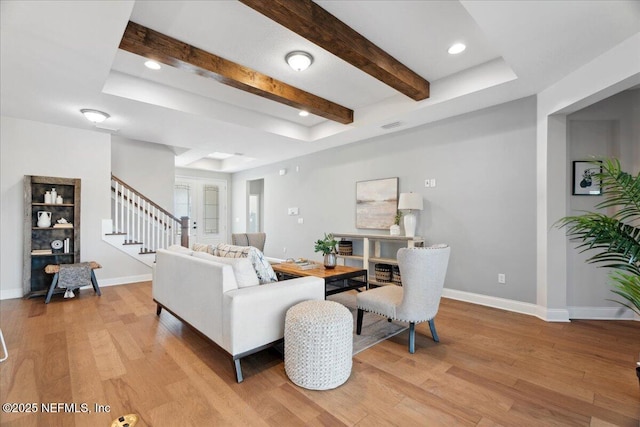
<point>115,234</point>
<point>146,253</point>
<point>132,243</point>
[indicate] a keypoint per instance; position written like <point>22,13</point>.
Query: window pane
<point>211,209</point>
<point>182,200</point>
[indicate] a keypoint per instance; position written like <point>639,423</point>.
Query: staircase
<point>138,226</point>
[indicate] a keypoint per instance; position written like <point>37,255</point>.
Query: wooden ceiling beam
<point>151,44</point>
<point>315,24</point>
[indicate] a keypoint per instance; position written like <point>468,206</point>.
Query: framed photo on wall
<point>585,183</point>
<point>376,203</point>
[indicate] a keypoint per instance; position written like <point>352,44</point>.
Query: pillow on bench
<point>242,268</point>
<point>262,267</point>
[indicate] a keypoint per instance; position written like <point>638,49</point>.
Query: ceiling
<point>61,56</point>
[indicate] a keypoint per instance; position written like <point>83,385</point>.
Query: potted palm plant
<point>328,247</point>
<point>614,239</point>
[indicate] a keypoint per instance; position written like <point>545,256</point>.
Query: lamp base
<point>410,224</point>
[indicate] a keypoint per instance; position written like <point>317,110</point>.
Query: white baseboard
<point>124,280</point>
<point>17,293</point>
<point>10,293</point>
<point>602,313</point>
<point>549,315</point>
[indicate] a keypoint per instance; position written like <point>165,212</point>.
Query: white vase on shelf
<point>47,197</point>
<point>54,194</point>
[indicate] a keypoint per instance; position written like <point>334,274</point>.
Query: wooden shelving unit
<point>35,281</point>
<point>371,256</point>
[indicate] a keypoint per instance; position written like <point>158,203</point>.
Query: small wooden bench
<point>55,269</point>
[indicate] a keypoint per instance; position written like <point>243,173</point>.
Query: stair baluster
<point>141,221</point>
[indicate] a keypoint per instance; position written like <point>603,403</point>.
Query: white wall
<point>147,167</point>
<point>483,204</point>
<point>33,148</point>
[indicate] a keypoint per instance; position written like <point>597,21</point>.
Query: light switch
<point>293,211</point>
<point>433,182</point>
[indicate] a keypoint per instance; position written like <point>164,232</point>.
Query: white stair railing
<point>143,221</point>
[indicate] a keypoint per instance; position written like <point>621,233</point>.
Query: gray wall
<point>484,204</point>
<point>605,129</point>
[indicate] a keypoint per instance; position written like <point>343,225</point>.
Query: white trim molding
<point>11,293</point>
<point>546,314</point>
<point>17,293</point>
<point>116,281</point>
<point>602,313</point>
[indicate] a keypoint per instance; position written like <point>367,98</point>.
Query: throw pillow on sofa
<point>242,268</point>
<point>203,247</point>
<point>263,269</point>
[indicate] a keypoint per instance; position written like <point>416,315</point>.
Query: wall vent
<point>391,125</point>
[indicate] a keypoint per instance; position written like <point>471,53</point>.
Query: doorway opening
<point>255,205</point>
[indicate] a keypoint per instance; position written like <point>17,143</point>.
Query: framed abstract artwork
<point>585,183</point>
<point>376,203</point>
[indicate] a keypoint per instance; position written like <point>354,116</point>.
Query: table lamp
<point>410,202</point>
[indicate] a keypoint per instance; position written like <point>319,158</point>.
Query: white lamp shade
<point>411,201</point>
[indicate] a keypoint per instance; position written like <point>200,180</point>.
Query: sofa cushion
<point>263,269</point>
<point>203,247</point>
<point>242,268</point>
<point>180,249</point>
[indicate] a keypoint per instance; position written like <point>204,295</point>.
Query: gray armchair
<point>249,239</point>
<point>423,272</point>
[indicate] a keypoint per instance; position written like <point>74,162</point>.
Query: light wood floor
<point>491,367</point>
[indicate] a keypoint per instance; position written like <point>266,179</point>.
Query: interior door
<point>205,203</point>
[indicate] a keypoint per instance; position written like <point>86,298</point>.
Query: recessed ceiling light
<point>303,113</point>
<point>299,60</point>
<point>95,116</point>
<point>456,48</point>
<point>152,65</point>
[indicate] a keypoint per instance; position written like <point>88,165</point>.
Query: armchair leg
<point>158,309</point>
<point>412,337</point>
<point>359,321</point>
<point>238,370</point>
<point>434,334</point>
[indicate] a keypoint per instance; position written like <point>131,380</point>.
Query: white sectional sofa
<point>203,292</point>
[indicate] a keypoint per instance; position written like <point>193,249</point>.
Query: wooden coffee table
<point>339,279</point>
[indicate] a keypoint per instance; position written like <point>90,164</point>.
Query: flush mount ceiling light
<point>95,116</point>
<point>303,113</point>
<point>152,65</point>
<point>457,48</point>
<point>299,60</point>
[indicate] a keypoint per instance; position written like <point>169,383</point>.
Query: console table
<point>369,258</point>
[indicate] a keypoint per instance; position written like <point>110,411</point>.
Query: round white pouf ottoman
<point>318,344</point>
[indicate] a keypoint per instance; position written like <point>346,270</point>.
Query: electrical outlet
<point>300,221</point>
<point>284,250</point>
<point>433,182</point>
<point>502,278</point>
